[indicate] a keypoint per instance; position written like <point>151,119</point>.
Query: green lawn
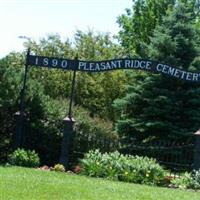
<point>28,184</point>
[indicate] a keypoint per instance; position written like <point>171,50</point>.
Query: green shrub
<point>188,180</point>
<point>59,168</point>
<point>127,168</point>
<point>25,158</point>
<point>184,181</point>
<point>196,179</point>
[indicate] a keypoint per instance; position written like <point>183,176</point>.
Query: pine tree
<point>156,106</point>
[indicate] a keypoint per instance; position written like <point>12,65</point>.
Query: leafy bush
<point>127,168</point>
<point>25,158</point>
<point>59,168</point>
<point>10,76</point>
<point>188,180</point>
<point>184,181</point>
<point>196,179</point>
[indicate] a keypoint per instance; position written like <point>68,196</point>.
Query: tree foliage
<point>47,90</point>
<point>138,24</point>
<point>156,107</point>
<point>95,92</point>
<point>9,90</point>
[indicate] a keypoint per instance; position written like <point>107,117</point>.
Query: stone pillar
<point>20,115</point>
<point>66,141</point>
<point>196,162</point>
<point>19,131</point>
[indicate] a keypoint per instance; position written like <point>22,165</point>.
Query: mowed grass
<point>27,184</point>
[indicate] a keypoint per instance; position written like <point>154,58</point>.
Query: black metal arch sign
<point>115,64</point>
<point>89,66</point>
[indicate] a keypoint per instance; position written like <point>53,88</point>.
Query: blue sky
<point>37,18</point>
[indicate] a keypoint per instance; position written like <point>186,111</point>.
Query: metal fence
<point>84,143</point>
<point>173,155</point>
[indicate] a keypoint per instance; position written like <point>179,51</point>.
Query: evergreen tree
<point>156,106</point>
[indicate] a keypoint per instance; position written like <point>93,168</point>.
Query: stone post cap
<point>69,119</point>
<point>197,133</point>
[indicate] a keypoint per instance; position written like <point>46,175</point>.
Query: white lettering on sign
<point>127,64</point>
<point>178,73</point>
<point>81,65</point>
<point>45,61</point>
<point>102,64</point>
<point>137,64</point>
<point>36,61</point>
<point>171,71</point>
<point>91,66</point>
<point>54,62</point>
<point>159,67</point>
<point>98,66</point>
<point>64,64</point>
<point>195,77</point>
<point>189,76</point>
<point>148,65</point>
